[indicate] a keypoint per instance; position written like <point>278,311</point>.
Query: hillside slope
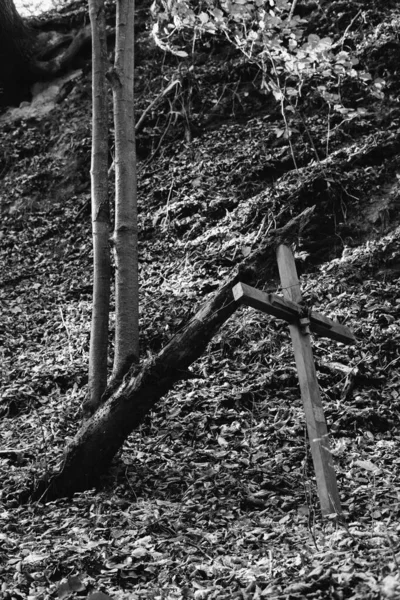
<point>214,496</point>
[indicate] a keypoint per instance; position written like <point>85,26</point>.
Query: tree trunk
<point>15,36</point>
<point>16,50</point>
<point>100,211</point>
<point>100,438</point>
<point>19,47</point>
<point>125,233</point>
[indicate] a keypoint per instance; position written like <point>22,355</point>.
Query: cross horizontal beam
<point>290,311</point>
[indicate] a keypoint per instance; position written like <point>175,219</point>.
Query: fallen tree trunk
<point>99,439</point>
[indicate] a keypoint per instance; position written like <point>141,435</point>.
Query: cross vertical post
<point>316,424</point>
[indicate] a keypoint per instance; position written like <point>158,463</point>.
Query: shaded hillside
<point>214,496</point>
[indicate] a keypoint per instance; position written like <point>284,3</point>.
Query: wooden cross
<point>300,323</point>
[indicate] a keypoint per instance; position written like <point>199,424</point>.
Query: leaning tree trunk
<point>100,438</point>
<point>100,211</point>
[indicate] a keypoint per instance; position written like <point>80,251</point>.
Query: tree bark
<point>20,45</point>
<point>100,438</point>
<point>100,211</point>
<point>125,236</point>
<point>15,36</point>
<point>16,50</point>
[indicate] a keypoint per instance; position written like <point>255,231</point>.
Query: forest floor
<point>214,495</point>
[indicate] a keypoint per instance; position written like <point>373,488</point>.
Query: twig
<point>341,41</point>
<point>17,454</point>
<point>283,112</point>
<point>166,221</point>
<point>144,114</point>
<point>292,10</point>
<point>68,335</point>
<point>392,549</point>
<point>329,130</point>
<point>152,157</point>
<point>308,133</point>
<point>84,207</point>
<point>283,109</point>
<point>148,109</point>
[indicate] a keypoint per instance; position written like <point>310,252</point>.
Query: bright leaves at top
<point>271,36</point>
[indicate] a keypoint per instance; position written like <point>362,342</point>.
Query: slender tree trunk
<point>100,211</point>
<point>100,438</point>
<point>125,233</point>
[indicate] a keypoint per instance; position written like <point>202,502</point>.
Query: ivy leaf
<point>368,466</point>
<point>73,584</point>
<point>204,18</point>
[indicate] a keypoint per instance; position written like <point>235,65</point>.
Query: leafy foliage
<point>29,8</point>
<point>268,34</point>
